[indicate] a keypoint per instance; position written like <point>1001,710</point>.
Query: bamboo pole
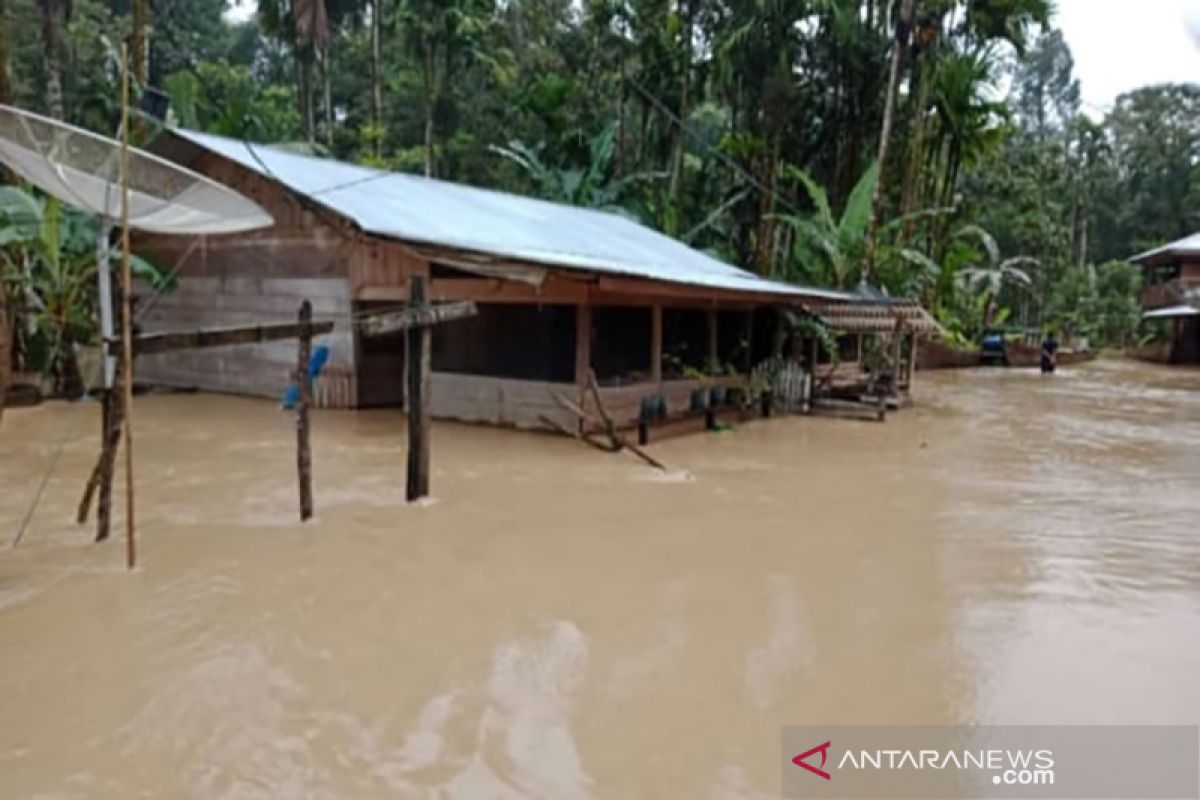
<point>127,317</point>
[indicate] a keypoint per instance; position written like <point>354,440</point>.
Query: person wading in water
<point>1049,353</point>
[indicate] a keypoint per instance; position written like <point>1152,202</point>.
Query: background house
<point>1171,293</point>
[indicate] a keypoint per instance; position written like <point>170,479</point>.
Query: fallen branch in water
<point>617,442</point>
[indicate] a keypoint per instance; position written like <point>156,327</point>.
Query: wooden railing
<point>1168,294</point>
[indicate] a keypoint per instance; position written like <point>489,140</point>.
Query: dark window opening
<point>849,347</point>
<point>733,341</point>
<point>621,343</point>
<point>766,323</point>
<point>685,343</point>
<point>526,342</point>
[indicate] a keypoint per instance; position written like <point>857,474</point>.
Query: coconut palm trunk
<point>53,14</point>
<point>139,52</point>
<point>431,101</point>
<point>5,82</point>
<point>377,76</point>
<point>899,47</point>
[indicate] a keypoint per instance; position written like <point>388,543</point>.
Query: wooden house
<point>561,291</point>
<point>1171,293</point>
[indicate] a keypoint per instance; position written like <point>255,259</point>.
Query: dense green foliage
<point>736,125</point>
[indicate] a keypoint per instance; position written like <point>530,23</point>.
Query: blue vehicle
<point>992,348</point>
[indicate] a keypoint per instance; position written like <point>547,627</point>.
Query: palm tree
<point>754,62</point>
<point>437,32</point>
<point>304,26</point>
<point>899,46</point>
<point>377,77</point>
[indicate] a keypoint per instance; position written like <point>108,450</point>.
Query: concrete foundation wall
<point>498,401</point>
<point>516,403</point>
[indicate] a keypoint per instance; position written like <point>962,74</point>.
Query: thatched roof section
<point>877,317</point>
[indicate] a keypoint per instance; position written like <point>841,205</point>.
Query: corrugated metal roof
<point>419,209</point>
<point>1172,311</point>
<point>1188,245</point>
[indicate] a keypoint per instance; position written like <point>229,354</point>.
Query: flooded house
<point>1171,295</point>
<point>561,293</point>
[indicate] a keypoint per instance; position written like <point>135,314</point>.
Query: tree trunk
<point>765,239</point>
<point>430,107</point>
<point>327,79</point>
<point>5,82</point>
<point>899,46</point>
<point>304,94</point>
<point>622,105</point>
<point>1083,233</point>
<point>51,57</point>
<point>910,194</point>
<point>377,77</point>
<point>680,148</point>
<point>139,53</point>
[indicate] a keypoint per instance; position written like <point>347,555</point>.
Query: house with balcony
<point>1171,296</point>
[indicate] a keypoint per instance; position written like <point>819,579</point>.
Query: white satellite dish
<point>135,189</point>
<point>82,169</point>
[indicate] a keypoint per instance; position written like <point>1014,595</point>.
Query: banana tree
<point>590,186</point>
<point>831,252</point>
<point>985,281</point>
<point>48,266</point>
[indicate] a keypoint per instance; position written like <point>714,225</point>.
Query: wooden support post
<point>656,344</point>
<point>713,360</point>
<point>897,343</point>
<point>914,342</point>
<point>583,344</point>
<point>417,345</point>
<point>583,354</point>
<point>748,365</point>
<point>102,475</point>
<point>304,385</point>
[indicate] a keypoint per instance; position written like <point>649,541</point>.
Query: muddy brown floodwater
<point>563,624</point>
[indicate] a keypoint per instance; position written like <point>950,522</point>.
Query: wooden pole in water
<point>127,316</point>
<point>417,344</point>
<point>303,453</point>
